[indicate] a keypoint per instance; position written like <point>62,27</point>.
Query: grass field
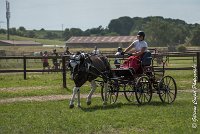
<point>122,117</point>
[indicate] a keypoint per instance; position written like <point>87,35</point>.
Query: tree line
<point>159,31</point>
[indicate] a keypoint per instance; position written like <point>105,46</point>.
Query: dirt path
<point>25,88</point>
<point>51,97</point>
<point>41,98</point>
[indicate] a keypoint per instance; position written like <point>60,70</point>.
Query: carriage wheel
<point>129,92</point>
<point>167,89</point>
<point>143,91</point>
<point>112,93</point>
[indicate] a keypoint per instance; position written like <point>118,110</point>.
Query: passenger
<point>136,50</point>
<point>96,51</point>
<point>117,61</point>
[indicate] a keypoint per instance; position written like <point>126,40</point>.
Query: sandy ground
<point>40,98</point>
<point>48,97</point>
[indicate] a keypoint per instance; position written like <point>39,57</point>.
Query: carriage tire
<point>143,90</point>
<point>167,89</point>
<point>112,93</point>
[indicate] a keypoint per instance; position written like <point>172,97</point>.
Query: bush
<point>181,48</point>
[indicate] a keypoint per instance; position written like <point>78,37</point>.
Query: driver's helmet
<point>141,33</point>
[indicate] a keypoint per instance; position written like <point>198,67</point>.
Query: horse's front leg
<point>93,88</point>
<point>105,93</point>
<point>75,90</point>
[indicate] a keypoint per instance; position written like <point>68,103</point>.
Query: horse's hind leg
<point>93,88</point>
<point>75,90</point>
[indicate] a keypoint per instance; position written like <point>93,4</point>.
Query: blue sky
<point>84,14</point>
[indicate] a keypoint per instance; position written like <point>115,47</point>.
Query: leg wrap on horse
<point>73,96</point>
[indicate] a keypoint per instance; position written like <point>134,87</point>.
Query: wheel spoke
<point>169,81</point>
<point>170,97</point>
<point>172,93</point>
<point>145,97</point>
<point>167,97</point>
<point>141,97</point>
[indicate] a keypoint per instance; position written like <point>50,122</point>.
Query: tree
<point>195,40</point>
<point>76,31</point>
<point>31,34</point>
<point>2,31</point>
<point>122,26</point>
<point>50,35</point>
<point>42,29</point>
<point>22,29</point>
<point>13,31</point>
<point>66,34</point>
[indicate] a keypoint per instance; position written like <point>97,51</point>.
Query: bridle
<point>77,63</point>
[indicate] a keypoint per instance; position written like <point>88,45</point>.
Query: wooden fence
<point>65,58</point>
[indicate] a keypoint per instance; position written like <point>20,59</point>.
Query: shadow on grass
<point>119,105</point>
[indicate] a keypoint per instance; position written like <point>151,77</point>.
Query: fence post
<point>24,60</point>
<point>64,71</point>
<point>198,66</point>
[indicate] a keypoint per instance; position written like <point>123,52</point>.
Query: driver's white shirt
<point>138,45</point>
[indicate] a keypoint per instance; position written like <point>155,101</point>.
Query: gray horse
<point>84,68</point>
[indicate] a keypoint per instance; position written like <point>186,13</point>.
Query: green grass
<point>47,84</point>
<point>123,117</point>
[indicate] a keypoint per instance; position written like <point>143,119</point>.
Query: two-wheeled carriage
<point>141,84</point>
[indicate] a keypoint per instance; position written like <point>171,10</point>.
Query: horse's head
<point>77,63</point>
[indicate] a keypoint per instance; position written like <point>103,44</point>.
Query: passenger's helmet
<point>141,33</point>
<point>119,49</point>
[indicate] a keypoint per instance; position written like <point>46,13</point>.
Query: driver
<point>136,50</point>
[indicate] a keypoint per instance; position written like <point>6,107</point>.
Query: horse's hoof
<point>71,106</point>
<point>88,102</point>
<point>79,106</point>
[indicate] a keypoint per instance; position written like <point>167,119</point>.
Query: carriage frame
<point>150,80</point>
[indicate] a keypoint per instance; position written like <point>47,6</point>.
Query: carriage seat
<point>146,59</point>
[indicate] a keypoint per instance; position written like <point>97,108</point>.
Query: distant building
<point>19,43</point>
<point>100,41</point>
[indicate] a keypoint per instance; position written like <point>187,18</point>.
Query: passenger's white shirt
<point>97,52</point>
<point>117,59</point>
<point>138,45</point>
